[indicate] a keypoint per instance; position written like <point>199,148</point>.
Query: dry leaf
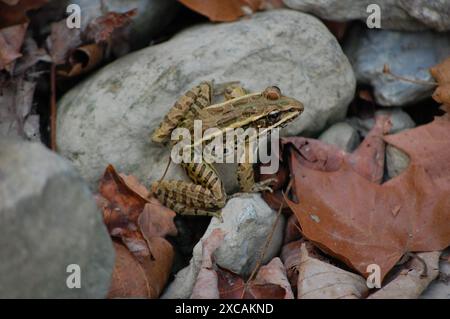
<point>320,280</point>
<point>128,278</point>
<point>11,40</point>
<point>156,220</point>
<point>351,217</point>
<point>132,279</point>
<point>82,60</point>
<point>441,73</point>
<point>62,41</point>
<point>338,29</point>
<point>123,200</point>
<point>219,10</point>
<point>101,29</point>
<point>15,12</point>
<point>290,255</point>
<point>206,284</point>
<point>141,224</point>
<point>292,232</point>
<point>274,273</point>
<point>410,283</point>
<point>16,98</point>
<point>231,286</point>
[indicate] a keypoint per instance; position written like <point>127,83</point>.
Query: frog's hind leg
<point>184,209</point>
<point>187,198</point>
<point>193,100</point>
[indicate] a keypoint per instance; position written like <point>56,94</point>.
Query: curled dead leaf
<point>320,280</point>
<point>411,282</point>
<point>123,198</point>
<point>274,273</point>
<point>82,60</point>
<point>206,284</point>
<point>156,220</point>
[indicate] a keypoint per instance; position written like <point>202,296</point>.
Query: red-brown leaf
<point>15,12</point>
<point>219,10</point>
<point>352,217</point>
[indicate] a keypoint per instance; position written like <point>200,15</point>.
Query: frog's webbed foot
<point>263,186</point>
<point>256,188</point>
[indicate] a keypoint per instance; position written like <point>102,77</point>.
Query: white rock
<point>394,14</point>
<point>109,117</point>
<point>342,135</point>
<point>247,222</point>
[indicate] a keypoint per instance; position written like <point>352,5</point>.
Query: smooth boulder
<point>49,226</point>
<point>110,116</point>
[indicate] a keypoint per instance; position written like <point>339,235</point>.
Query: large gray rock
<point>109,117</point>
<point>247,222</point>
<point>152,15</point>
<point>395,14</point>
<point>408,54</point>
<point>48,220</point>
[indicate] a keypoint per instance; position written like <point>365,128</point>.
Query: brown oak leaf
<point>441,73</point>
<point>219,10</point>
<point>361,222</point>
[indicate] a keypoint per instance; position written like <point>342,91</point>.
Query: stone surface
<point>396,161</point>
<point>342,135</point>
<point>48,220</point>
<point>247,222</point>
<point>395,14</point>
<point>408,54</point>
<point>109,117</point>
<point>440,288</point>
<point>152,15</point>
<point>400,121</point>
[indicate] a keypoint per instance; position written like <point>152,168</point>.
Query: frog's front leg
<point>204,197</point>
<point>246,174</point>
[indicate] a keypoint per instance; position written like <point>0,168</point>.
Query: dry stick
<point>266,244</point>
<point>53,107</point>
<point>387,70</point>
<point>167,168</point>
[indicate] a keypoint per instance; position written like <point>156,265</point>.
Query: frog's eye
<point>272,93</point>
<point>274,114</point>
